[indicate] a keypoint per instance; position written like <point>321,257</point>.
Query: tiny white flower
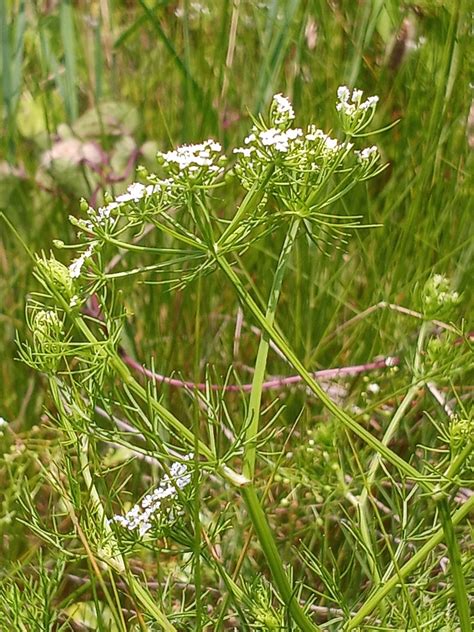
<point>246,152</point>
<point>346,108</point>
<point>134,193</point>
<point>76,266</point>
<point>294,133</point>
<point>103,213</point>
<point>282,110</point>
<point>331,144</point>
<point>343,94</point>
<point>371,102</point>
<point>373,388</point>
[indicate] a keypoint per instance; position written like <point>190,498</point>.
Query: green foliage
<point>332,504</point>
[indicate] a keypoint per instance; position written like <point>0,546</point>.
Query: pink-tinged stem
<point>271,384</point>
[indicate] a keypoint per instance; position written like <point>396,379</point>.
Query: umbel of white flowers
<point>161,505</point>
<point>297,157</point>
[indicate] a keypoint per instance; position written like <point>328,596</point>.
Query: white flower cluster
<point>327,144</point>
<point>289,141</point>
<point>297,151</point>
<point>202,161</point>
<point>163,501</point>
<point>160,192</point>
<point>351,105</point>
<point>272,138</point>
<point>76,266</point>
<point>355,113</point>
<point>136,192</point>
<point>281,111</point>
<point>369,153</point>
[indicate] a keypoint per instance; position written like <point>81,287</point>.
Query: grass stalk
<point>460,593</point>
<point>253,416</point>
<point>267,542</point>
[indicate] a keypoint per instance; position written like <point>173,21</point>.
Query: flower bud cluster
<point>48,335</point>
<point>439,300</point>
<point>54,273</point>
<point>461,433</point>
<point>161,505</point>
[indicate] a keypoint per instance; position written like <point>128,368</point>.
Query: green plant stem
<point>455,465</point>
<point>408,470</point>
<point>412,564</point>
<point>122,370</point>
<point>387,438</point>
<point>253,416</point>
<point>254,507</point>
<point>145,599</point>
<point>112,557</point>
<point>196,485</point>
<point>454,554</point>
<point>250,202</point>
<point>267,542</point>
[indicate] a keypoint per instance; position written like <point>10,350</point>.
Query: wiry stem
<point>376,459</point>
<point>277,382</point>
<point>265,536</point>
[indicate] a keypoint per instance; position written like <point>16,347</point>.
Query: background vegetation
<point>90,90</point>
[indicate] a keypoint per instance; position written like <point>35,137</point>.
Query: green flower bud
<point>461,432</point>
<point>48,334</point>
<point>55,273</point>
<point>142,172</point>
